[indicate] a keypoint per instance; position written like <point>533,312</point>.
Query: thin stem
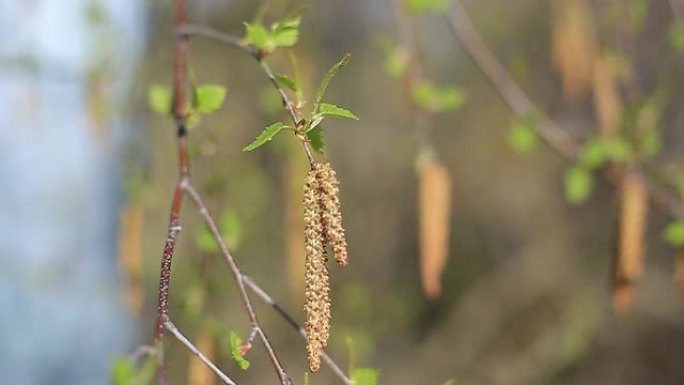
<point>193,349</point>
<point>256,289</point>
<point>211,223</point>
<point>521,105</point>
<point>256,54</point>
<point>179,84</point>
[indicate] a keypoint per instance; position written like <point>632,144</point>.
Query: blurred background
<point>475,255</point>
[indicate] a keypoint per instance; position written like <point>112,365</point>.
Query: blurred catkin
<point>317,292</point>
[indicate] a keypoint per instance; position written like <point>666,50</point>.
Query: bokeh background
<point>87,173</point>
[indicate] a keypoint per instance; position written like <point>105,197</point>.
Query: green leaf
<point>287,82</point>
<point>674,234</point>
<point>146,371</point>
<point>397,62</point>
<point>265,136</point>
<point>365,376</point>
<point>316,139</point>
<point>522,136</point>
<point>323,86</point>
<point>286,32</point>
<point>435,99</point>
<point>328,109</point>
<point>450,381</point>
<point>122,371</point>
<point>204,240</point>
<point>231,229</point>
<point>676,36</point>
<point>209,98</point>
<point>594,154</point>
<point>650,142</point>
<point>235,353</point>
<point>423,6</point>
<point>160,99</point>
<point>618,150</point>
<point>579,185</point>
<point>257,35</point>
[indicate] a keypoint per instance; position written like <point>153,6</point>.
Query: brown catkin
<point>332,213</point>
<point>317,292</point>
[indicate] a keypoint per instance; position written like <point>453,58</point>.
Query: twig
<point>521,105</point>
<point>211,223</point>
<point>235,42</point>
<point>290,320</point>
<point>193,349</point>
<point>180,69</point>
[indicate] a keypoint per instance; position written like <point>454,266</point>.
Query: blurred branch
<point>211,223</point>
<point>521,105</point>
<point>235,42</point>
<point>193,349</point>
<point>290,320</point>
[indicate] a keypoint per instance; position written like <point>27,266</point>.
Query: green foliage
<point>124,371</point>
<point>204,240</point>
<point>287,82</point>
<point>282,33</point>
<point>593,154</point>
<point>649,142</point>
<point>209,98</point>
<point>323,86</point>
<point>265,136</point>
<point>435,99</point>
<point>424,6</point>
<point>160,99</point>
<point>674,234</point>
<point>315,137</point>
<point>193,301</point>
<point>230,227</point>
<point>579,185</point>
<point>450,381</point>
<point>522,137</point>
<point>236,353</point>
<point>676,37</point>
<point>327,109</point>
<point>396,62</point>
<point>365,376</point>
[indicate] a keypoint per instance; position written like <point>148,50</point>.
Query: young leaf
<point>160,99</point>
<point>435,99</point>
<point>265,136</point>
<point>618,149</point>
<point>579,185</point>
<point>204,240</point>
<point>397,62</point>
<point>209,98</point>
<point>328,109</point>
<point>287,82</point>
<point>257,35</point>
<point>423,6</point>
<point>594,154</point>
<point>316,139</point>
<point>286,32</point>
<point>235,353</point>
<point>365,376</point>
<point>231,229</point>
<point>329,75</point>
<point>122,371</point>
<point>522,137</point>
<point>674,234</point>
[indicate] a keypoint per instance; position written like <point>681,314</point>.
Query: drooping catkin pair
<point>322,228</point>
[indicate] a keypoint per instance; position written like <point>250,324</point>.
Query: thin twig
<point>179,102</point>
<point>193,349</point>
<point>521,105</point>
<point>235,42</point>
<point>211,223</point>
<point>290,320</point>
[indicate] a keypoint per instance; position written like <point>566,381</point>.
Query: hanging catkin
<point>630,261</point>
<point>317,292</point>
<point>332,214</point>
<point>435,211</point>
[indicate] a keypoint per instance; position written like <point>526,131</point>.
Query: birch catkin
<point>630,263</point>
<point>322,228</point>
<point>317,292</point>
